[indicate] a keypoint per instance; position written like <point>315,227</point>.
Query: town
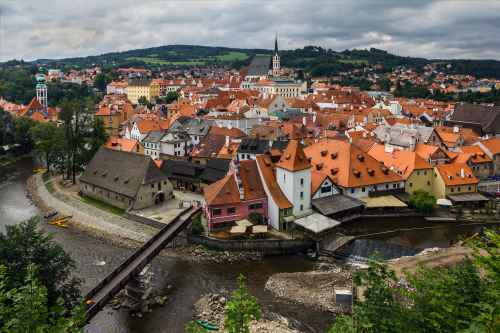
<point>192,189</point>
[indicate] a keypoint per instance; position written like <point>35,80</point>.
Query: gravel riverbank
<point>313,288</point>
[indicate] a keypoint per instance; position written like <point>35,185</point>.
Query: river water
<point>190,280</point>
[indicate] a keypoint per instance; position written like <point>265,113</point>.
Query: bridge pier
<point>138,290</point>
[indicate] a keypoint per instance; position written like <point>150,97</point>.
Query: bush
<point>197,227</point>
<point>422,201</point>
<point>256,218</point>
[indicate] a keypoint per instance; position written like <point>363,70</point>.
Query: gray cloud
<point>31,29</point>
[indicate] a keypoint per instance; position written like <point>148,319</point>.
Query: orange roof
<point>120,143</point>
<point>231,132</point>
<point>493,145</point>
<point>250,180</point>
<point>473,153</point>
<point>266,168</point>
<point>222,192</point>
<point>348,165</point>
<point>317,178</point>
<point>293,158</point>
<point>229,151</point>
<point>403,162</point>
<point>425,151</point>
<point>452,174</point>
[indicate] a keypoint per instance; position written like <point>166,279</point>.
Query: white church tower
<point>41,91</point>
<point>293,173</point>
<point>276,59</point>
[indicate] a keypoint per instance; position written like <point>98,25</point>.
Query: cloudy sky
<point>31,29</point>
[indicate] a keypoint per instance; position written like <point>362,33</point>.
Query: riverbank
<point>115,229</point>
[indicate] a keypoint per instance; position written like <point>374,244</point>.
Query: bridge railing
<point>134,256</point>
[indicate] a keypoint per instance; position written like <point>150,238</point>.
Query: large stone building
<point>125,180</point>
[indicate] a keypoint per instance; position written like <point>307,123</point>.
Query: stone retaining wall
<point>265,246</point>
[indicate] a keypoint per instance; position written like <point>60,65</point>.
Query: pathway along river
<point>189,280</point>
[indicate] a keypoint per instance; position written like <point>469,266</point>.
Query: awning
<point>467,197</point>
<point>259,229</point>
<point>317,223</point>
<point>336,204</point>
<point>385,201</point>
<point>244,223</point>
<point>238,230</point>
<point>444,202</point>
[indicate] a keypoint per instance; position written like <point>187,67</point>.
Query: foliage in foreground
<point>241,309</point>
<point>23,245</point>
<point>464,298</point>
<point>26,308</point>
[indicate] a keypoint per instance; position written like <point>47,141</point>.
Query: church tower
<point>41,91</point>
<point>276,59</point>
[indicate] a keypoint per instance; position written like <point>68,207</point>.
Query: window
<point>301,181</point>
<point>429,183</point>
<point>411,184</point>
<point>255,206</point>
<point>393,185</point>
<point>216,211</point>
<point>301,207</point>
<point>353,190</point>
<point>231,210</point>
<point>452,189</point>
<point>469,188</point>
<point>418,173</point>
<point>363,189</point>
<point>326,189</point>
<point>459,189</point>
<point>284,176</point>
<point>386,186</point>
<point>302,195</point>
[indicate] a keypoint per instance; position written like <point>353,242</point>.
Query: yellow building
<point>142,87</point>
<point>416,172</point>
<point>452,179</point>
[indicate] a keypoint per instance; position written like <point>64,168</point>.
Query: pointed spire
<point>276,44</point>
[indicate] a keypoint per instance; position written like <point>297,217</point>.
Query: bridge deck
<point>117,279</point>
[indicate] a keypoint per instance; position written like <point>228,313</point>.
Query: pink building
<point>227,203</point>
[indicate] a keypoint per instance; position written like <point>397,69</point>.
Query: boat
<point>438,219</point>
<point>39,170</point>
<point>50,215</point>
<point>206,325</point>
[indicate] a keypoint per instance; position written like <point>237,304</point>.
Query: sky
<point>33,29</point>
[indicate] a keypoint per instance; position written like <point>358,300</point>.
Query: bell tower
<point>41,91</point>
<point>276,59</point>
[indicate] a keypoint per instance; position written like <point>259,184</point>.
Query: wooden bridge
<point>97,298</point>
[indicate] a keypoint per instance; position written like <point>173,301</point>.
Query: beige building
<point>125,180</point>
<point>138,88</point>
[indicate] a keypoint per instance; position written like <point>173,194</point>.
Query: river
<point>189,280</point>
<point>192,280</point>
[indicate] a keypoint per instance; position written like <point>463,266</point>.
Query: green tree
<point>22,133</point>
<point>24,244</point>
<point>422,201</point>
<point>241,309</point>
<point>172,96</point>
<point>26,308</point>
<point>143,100</point>
<point>101,81</point>
<point>48,140</point>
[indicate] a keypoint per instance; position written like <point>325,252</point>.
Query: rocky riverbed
<point>211,307</point>
<point>314,288</point>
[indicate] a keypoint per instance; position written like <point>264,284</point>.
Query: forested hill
<point>315,60</point>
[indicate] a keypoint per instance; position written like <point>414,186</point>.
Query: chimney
<point>228,140</point>
<point>455,129</point>
<point>314,118</point>
<point>462,173</point>
<point>304,121</point>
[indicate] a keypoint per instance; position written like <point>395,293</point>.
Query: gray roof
<point>402,135</point>
<point>253,146</point>
<point>467,197</point>
<point>336,204</point>
<point>121,172</point>
<point>260,65</point>
<point>154,137</point>
<point>317,223</point>
<point>488,117</point>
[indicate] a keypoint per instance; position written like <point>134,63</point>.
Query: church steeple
<point>276,58</point>
<point>276,45</point>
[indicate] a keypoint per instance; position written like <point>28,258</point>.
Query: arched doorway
<point>160,197</point>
